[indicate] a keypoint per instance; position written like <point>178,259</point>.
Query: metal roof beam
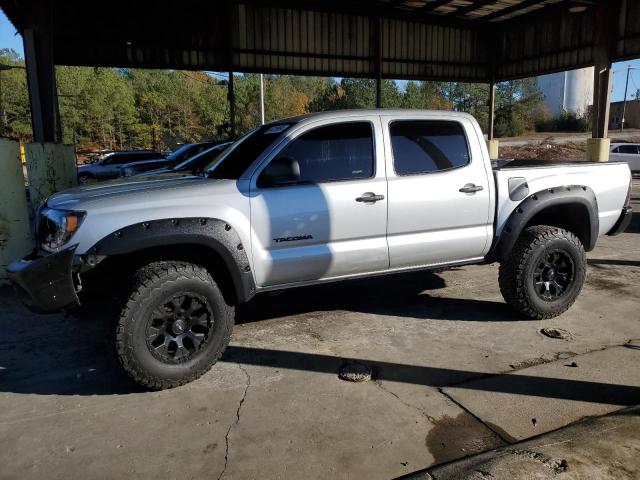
<point>512,9</point>
<point>550,10</point>
<point>470,8</point>
<point>431,6</point>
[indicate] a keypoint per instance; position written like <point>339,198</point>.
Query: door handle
<point>369,197</point>
<point>471,188</point>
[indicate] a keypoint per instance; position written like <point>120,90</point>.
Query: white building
<point>570,91</point>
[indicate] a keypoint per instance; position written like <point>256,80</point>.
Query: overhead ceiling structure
<point>453,40</point>
<point>477,40</point>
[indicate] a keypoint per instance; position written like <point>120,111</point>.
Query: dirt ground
<point>455,373</point>
<point>546,150</point>
<point>556,146</point>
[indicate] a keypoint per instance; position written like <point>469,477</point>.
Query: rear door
<point>439,191</point>
<point>327,225</point>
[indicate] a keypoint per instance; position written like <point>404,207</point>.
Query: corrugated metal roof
<point>472,40</point>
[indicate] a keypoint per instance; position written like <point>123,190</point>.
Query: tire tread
<point>511,273</point>
<point>146,281</point>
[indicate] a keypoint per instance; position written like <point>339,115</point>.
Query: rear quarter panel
<point>609,181</point>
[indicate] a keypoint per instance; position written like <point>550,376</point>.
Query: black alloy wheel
<point>179,328</point>
<point>553,275</point>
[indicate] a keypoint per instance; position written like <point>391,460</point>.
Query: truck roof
<point>373,111</point>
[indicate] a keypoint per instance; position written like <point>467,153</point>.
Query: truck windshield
<point>237,158</point>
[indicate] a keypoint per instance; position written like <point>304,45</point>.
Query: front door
<point>328,224</point>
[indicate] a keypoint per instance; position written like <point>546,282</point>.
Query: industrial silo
<point>570,91</point>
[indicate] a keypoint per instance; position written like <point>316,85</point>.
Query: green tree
<point>97,106</point>
<point>518,105</point>
<point>427,95</point>
<point>123,108</point>
<point>15,116</point>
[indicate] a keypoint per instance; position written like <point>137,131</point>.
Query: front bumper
<point>623,221</point>
<point>45,283</point>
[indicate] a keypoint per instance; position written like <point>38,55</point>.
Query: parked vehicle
<point>314,199</point>
<point>626,152</point>
<point>196,164</point>
<point>110,164</point>
<point>180,155</point>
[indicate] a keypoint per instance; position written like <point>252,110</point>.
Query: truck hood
<point>70,199</point>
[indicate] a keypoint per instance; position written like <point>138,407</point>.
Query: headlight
<point>56,227</point>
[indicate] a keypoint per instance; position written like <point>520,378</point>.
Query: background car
<point>183,153</point>
<point>626,152</point>
<point>195,164</point>
<point>109,165</point>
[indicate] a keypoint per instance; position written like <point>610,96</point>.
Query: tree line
<point>133,108</point>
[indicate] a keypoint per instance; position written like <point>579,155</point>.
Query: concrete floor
<point>456,373</point>
<point>602,448</point>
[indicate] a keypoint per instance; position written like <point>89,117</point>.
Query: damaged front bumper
<point>45,282</point>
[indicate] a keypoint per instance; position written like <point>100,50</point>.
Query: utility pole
<point>624,102</point>
<point>261,99</point>
<point>231,96</point>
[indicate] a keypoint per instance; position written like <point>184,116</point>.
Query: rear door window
<point>426,146</point>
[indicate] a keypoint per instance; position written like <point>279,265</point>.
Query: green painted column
<point>51,168</point>
<point>16,239</point>
<point>492,146</point>
<point>598,149</point>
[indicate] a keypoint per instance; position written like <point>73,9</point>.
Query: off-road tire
<point>516,275</point>
<point>152,285</point>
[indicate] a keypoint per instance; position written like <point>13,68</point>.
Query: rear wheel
<point>85,178</point>
<point>544,273</point>
<point>174,326</point>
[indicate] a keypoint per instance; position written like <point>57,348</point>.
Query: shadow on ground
<point>403,295</point>
<point>597,262</point>
<point>55,355</point>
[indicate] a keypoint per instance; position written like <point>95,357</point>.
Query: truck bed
<point>608,180</point>
<point>507,163</point>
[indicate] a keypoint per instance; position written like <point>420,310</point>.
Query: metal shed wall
<point>548,44</point>
<point>425,51</point>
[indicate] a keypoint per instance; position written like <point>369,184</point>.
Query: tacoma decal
<point>293,239</point>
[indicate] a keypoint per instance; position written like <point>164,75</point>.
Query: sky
<point>9,39</point>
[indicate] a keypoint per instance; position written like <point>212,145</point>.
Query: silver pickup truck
<point>313,199</point>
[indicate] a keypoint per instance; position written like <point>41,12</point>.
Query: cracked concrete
<point>67,411</point>
<point>605,448</point>
<point>226,437</point>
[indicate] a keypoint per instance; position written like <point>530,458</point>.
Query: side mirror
<point>280,171</point>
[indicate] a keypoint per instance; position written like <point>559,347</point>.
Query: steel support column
<point>377,45</point>
<point>601,100</point>
<point>41,76</point>
<point>605,32</point>
<point>492,109</point>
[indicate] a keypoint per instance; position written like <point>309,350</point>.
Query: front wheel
<point>544,273</point>
<point>174,326</point>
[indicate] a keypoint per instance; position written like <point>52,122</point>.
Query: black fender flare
<point>213,233</point>
<point>539,201</point>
